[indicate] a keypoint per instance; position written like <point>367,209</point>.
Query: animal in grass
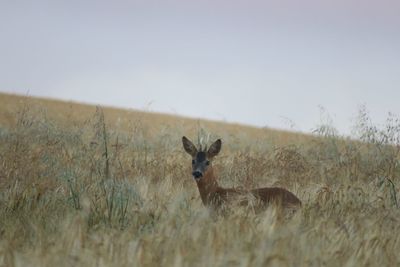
<point>216,197</point>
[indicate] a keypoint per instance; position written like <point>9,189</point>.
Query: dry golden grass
<point>82,186</point>
<point>67,114</point>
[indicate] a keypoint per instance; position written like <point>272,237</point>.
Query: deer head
<point>201,159</point>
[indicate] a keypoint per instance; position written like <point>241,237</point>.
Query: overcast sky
<point>265,63</point>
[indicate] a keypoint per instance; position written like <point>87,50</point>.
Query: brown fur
<point>215,196</point>
<point>212,195</point>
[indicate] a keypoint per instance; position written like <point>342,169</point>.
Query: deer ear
<point>214,149</point>
<point>189,147</point>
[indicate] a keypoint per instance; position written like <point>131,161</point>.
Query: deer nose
<point>197,174</point>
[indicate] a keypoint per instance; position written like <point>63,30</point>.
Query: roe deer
<point>214,196</point>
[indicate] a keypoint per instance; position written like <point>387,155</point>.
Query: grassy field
<point>87,186</point>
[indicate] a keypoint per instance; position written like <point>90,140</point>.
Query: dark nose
<point>197,174</point>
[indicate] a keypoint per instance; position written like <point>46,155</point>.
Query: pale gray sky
<point>257,62</point>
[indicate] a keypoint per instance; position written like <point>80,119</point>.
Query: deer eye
<point>207,162</point>
<point>193,162</point>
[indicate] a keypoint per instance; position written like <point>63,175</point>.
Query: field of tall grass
<point>87,186</point>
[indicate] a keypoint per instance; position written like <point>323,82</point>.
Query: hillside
<point>87,186</point>
<point>67,113</point>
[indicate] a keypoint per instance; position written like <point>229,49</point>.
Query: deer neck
<point>207,185</point>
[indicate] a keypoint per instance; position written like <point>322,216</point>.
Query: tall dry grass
<point>93,192</point>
